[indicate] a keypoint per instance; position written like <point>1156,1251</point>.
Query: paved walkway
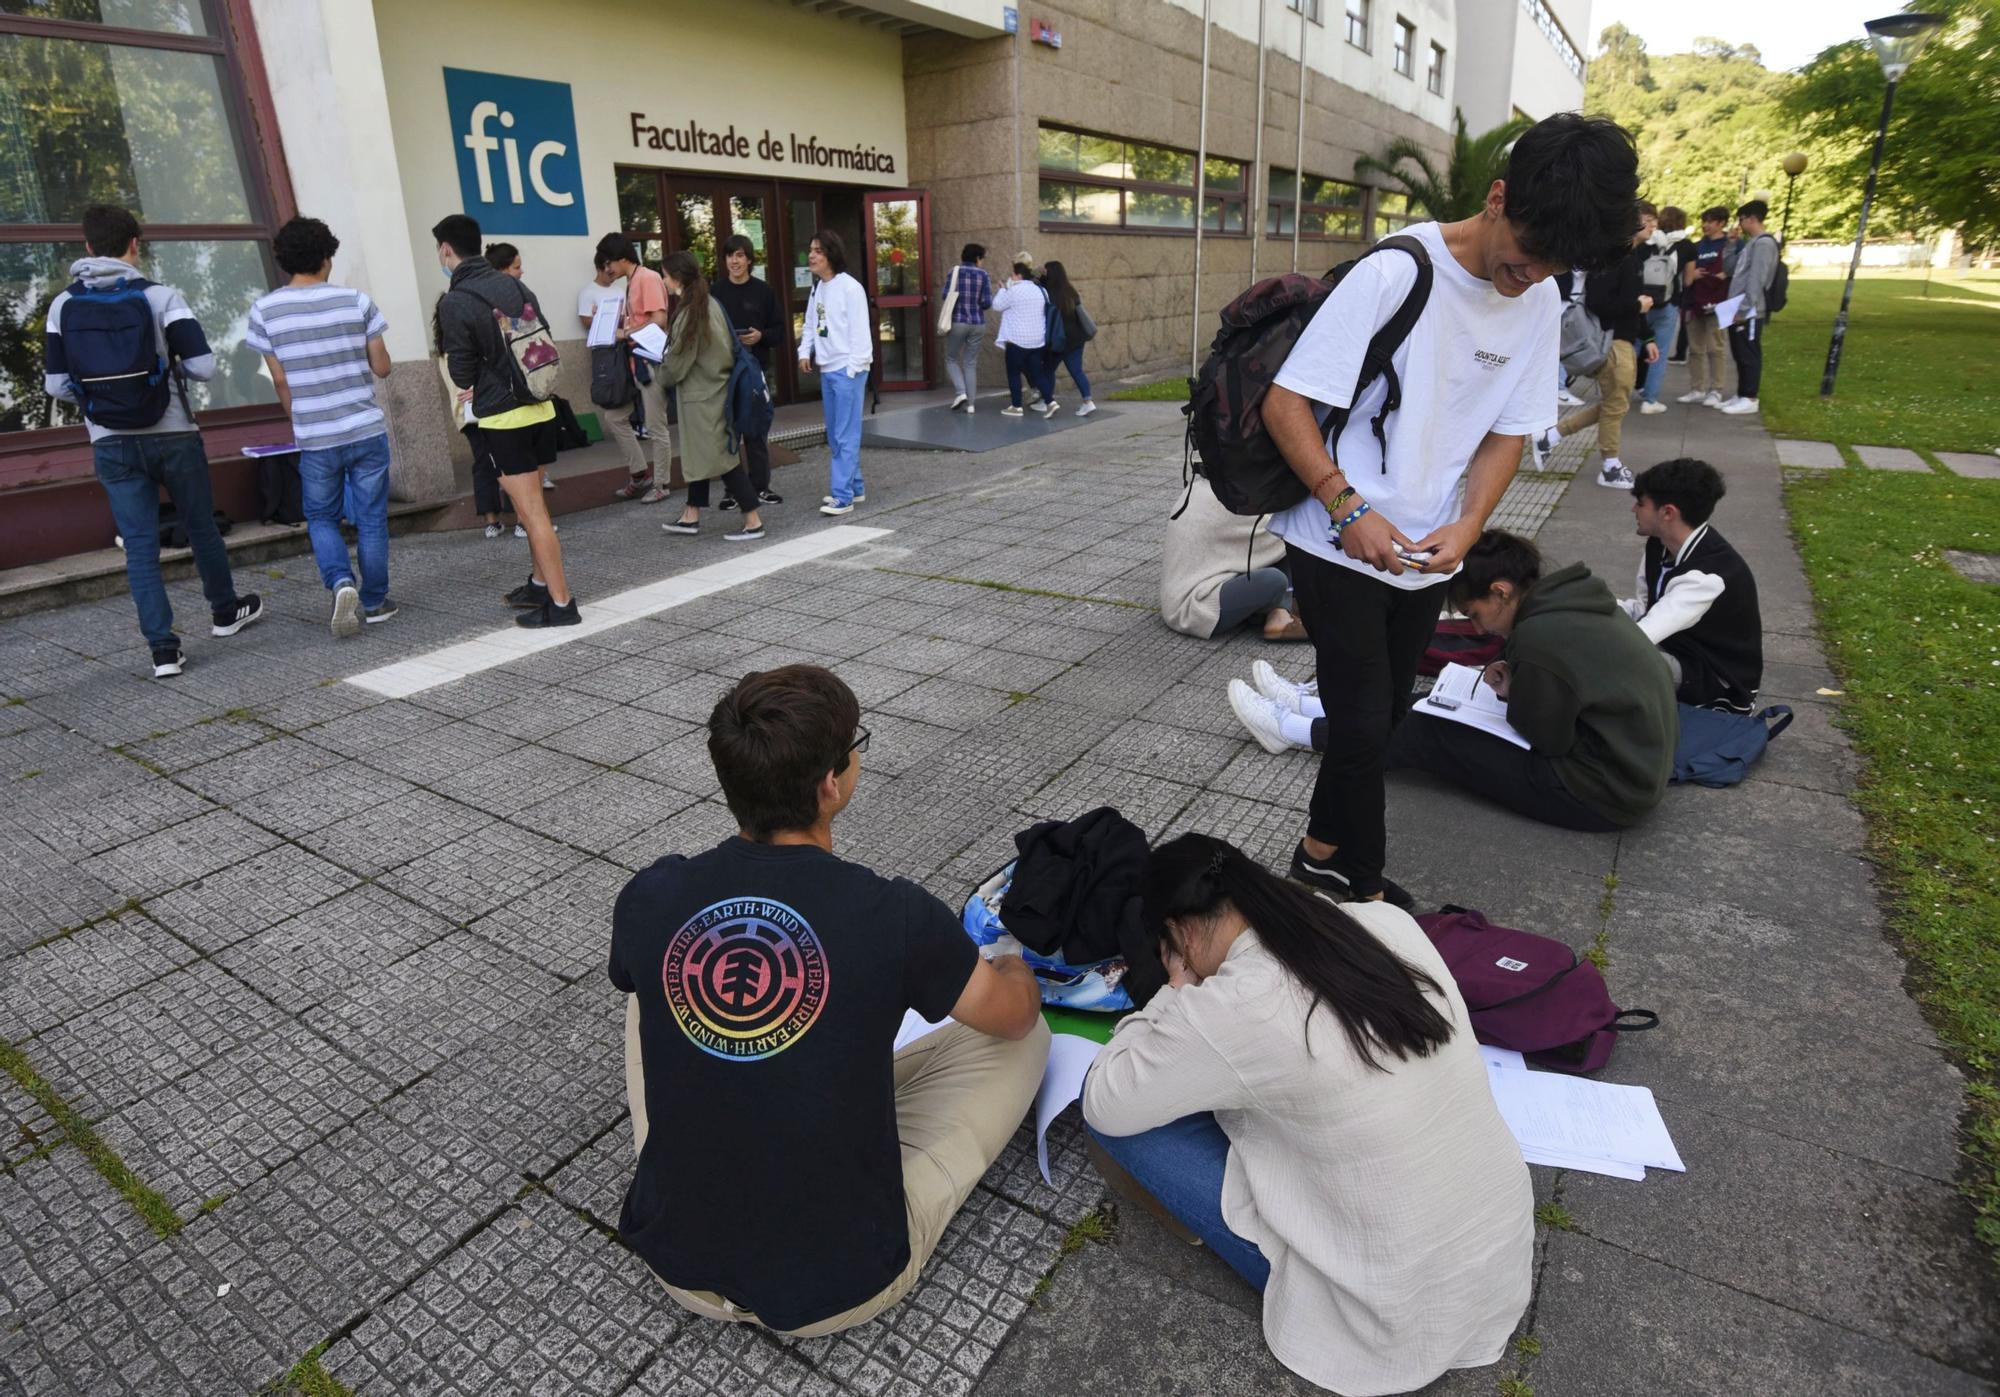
<point>323,969</point>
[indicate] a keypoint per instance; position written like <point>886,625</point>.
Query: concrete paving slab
<point>1892,458</point>
<point>1974,465</point>
<point>1809,455</point>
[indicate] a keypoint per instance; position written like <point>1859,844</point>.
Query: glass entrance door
<point>792,279</point>
<point>898,280</point>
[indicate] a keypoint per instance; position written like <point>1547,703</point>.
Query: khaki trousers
<point>960,1094</point>
<point>1708,353</point>
<point>639,456</point>
<point>1614,386</point>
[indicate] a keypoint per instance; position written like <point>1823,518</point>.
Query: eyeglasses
<point>860,744</point>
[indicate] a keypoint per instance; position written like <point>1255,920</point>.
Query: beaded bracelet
<point>1359,510</point>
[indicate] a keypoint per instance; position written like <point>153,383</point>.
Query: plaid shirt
<point>975,294</point>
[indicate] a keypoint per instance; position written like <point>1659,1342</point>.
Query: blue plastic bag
<point>1098,987</point>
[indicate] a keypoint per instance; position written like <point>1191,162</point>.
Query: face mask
<point>444,271</point>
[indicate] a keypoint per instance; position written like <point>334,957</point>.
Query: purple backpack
<point>1531,993</point>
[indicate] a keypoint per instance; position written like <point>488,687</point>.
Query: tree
<point>1941,167</point>
<point>1461,192</point>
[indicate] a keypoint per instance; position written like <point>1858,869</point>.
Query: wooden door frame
<point>920,301</point>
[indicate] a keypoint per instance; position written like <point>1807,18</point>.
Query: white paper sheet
<point>1070,1056</point>
<point>1503,1057</point>
<point>1551,1113</point>
<point>650,342</point>
<point>604,322</point>
<point>1726,311</point>
<point>1585,1164</point>
<point>1460,695</point>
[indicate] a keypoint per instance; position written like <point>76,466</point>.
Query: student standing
<point>142,431</point>
<point>701,354</point>
<point>323,345</point>
<point>1307,1098</point>
<point>838,340</point>
<point>1616,301</point>
<point>603,286</point>
<point>962,342</point>
<point>759,322</point>
<point>1707,283</point>
<point>1478,374</point>
<point>1668,253</point>
<point>1024,333</point>
<point>645,304</point>
<point>506,258</point>
<point>520,433</point>
<point>1055,281</point>
<point>1756,266</point>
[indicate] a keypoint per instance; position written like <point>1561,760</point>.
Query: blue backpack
<point>1055,336</point>
<point>747,407</point>
<point>116,369</point>
<point>1718,748</point>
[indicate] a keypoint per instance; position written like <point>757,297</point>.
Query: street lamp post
<point>1794,166</point>
<point>1897,40</point>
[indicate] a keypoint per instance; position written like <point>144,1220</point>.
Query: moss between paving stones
<point>1917,649</point>
<point>157,1212</point>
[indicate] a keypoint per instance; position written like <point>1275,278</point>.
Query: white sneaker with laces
<point>1652,409</point>
<point>1049,408</point>
<point>1739,407</point>
<point>1011,411</point>
<point>346,609</point>
<point>1262,717</point>
<point>1717,401</point>
<point>1617,477</point>
<point>1280,690</point>
<point>1087,408</point>
<point>1695,396</point>
<point>828,499</point>
<point>1565,398</point>
<point>1542,446</point>
<point>956,403</point>
<point>831,508</point>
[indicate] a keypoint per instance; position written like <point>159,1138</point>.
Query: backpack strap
<point>1776,719</point>
<point>1379,361</point>
<point>1618,1025</point>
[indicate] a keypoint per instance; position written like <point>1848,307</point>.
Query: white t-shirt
<point>592,293</point>
<point>1476,362</point>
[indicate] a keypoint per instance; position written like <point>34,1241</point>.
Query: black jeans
<point>757,450</point>
<point>735,484</point>
<point>1523,781</point>
<point>1746,347</point>
<point>1368,637</point>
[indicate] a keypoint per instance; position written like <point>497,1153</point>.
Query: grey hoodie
<point>1755,266</point>
<point>177,332</point>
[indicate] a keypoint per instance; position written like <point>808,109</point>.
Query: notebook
<point>1461,695</point>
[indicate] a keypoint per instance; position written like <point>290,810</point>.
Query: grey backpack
<point>1585,343</point>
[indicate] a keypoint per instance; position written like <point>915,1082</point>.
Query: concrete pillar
<point>324,64</point>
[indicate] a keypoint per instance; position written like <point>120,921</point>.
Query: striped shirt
<point>320,334</point>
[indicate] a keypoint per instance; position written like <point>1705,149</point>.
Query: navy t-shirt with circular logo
<point>772,980</point>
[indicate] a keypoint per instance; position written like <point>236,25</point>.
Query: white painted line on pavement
<point>467,657</point>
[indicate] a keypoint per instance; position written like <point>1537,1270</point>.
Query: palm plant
<point>1475,164</point>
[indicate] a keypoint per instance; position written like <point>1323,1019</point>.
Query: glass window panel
<point>639,201</point>
<point>901,331</point>
<point>161,16</point>
<point>746,217</point>
<point>694,229</point>
<point>1147,209</point>
<point>1222,174</point>
<point>896,250</point>
<point>83,124</point>
<point>1225,216</point>
<point>1057,149</point>
<point>1103,157</point>
<point>1158,165</point>
<point>804,216</point>
<point>1079,203</point>
<point>30,276</point>
<point>1283,185</point>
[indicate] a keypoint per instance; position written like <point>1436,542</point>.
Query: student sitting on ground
<point>805,1170</point>
<point>1219,570</point>
<point>1583,685</point>
<point>1696,598</point>
<point>1306,1098</point>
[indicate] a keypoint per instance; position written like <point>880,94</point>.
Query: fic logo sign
<point>515,139</point>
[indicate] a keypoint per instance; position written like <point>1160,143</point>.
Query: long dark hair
<point>1055,281</point>
<point>693,321</point>
<point>1375,994</point>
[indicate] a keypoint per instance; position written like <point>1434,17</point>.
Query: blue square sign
<point>515,139</point>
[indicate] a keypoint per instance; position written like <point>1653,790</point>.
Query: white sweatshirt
<point>837,330</point>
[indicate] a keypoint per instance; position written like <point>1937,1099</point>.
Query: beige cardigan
<point>1393,1206</point>
<point>1204,548</point>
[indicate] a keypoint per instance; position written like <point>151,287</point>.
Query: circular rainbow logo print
<point>745,978</point>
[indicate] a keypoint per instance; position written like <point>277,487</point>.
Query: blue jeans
<point>132,469</point>
<point>1035,364</point>
<point>1666,324</point>
<point>840,399</point>
<point>1181,1164</point>
<point>1073,361</point>
<point>351,479</point>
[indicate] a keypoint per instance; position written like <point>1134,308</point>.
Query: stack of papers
<point>1462,695</point>
<point>1574,1123</point>
<point>650,342</point>
<point>1070,1056</point>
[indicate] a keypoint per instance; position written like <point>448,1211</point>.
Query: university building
<point>911,127</point>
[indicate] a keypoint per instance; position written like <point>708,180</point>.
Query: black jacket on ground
<point>474,353</point>
<point>1075,894</point>
<point>1612,296</point>
<point>1702,610</point>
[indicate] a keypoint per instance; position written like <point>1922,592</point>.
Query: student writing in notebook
<point>1583,684</point>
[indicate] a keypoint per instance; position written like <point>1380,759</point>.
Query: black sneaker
<point>681,526</point>
<point>1342,882</point>
<point>529,594</point>
<point>167,663</point>
<point>374,615</point>
<point>728,502</point>
<point>549,614</point>
<point>232,619</point>
<point>769,497</point>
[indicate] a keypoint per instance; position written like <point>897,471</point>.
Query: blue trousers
<point>132,470</point>
<point>1035,364</point>
<point>353,479</point>
<point>1181,1164</point>
<point>841,399</point>
<point>1666,324</point>
<point>1073,361</point>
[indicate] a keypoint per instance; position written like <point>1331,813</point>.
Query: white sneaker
<point>495,530</point>
<point>1739,407</point>
<point>1618,477</point>
<point>970,409</point>
<point>1280,690</point>
<point>831,508</point>
<point>1049,408</point>
<point>346,610</point>
<point>1716,400</point>
<point>1011,411</point>
<point>520,532</point>
<point>1694,397</point>
<point>1652,409</point>
<point>1541,447</point>
<point>1565,398</point>
<point>956,403</point>
<point>1261,716</point>
<point>1087,408</point>
<point>828,499</point>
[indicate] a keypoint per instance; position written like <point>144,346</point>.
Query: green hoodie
<point>1592,694</point>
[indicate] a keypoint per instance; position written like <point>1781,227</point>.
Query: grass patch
<point>159,1216</point>
<point>310,1379</point>
<point>1514,1385</point>
<point>1555,1217</point>
<point>1917,649</point>
<point>1167,390</point>
<point>1092,1227</point>
<point>1528,1346</point>
<point>209,1205</point>
<point>1912,371</point>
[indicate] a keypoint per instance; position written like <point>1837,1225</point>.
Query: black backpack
<point>116,369</point>
<point>1226,439</point>
<point>1780,288</point>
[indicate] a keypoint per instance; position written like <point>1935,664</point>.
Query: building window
<point>1106,182</point>
<point>1434,75</point>
<point>1394,212</point>
<point>1357,24</point>
<point>1405,56</point>
<point>148,112</point>
<point>1311,9</point>
<point>1552,30</point>
<point>1332,209</point>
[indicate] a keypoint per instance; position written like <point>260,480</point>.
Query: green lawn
<point>1915,370</point>
<point>1917,648</point>
<point>1169,390</point>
